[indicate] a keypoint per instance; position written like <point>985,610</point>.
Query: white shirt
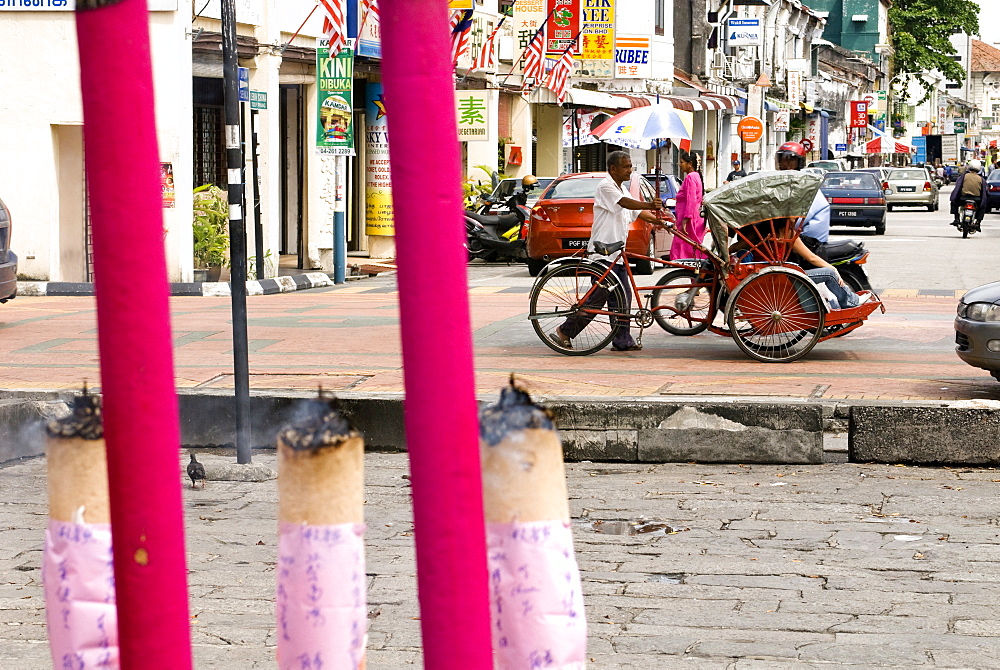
<point>610,219</point>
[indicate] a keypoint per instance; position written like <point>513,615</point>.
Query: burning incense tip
<point>316,424</point>
<point>514,412</point>
<point>85,422</point>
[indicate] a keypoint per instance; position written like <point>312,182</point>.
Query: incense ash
<point>514,412</point>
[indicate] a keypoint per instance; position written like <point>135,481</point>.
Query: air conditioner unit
<point>718,61</point>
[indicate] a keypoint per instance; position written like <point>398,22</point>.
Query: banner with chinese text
<point>597,48</point>
<point>378,179</point>
<point>562,27</point>
<point>369,32</point>
<point>335,113</point>
<point>528,17</point>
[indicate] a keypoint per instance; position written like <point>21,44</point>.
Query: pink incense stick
<point>140,405</point>
<point>441,415</point>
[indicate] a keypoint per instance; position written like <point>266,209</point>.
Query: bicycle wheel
<point>776,317</point>
<point>679,313</point>
<point>558,295</point>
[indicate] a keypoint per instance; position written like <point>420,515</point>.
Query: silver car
<point>977,328</point>
<point>910,186</point>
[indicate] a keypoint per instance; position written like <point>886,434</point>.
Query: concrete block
<point>599,445</point>
<point>924,435</point>
<point>22,426</point>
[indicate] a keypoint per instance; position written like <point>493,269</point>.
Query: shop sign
<point>472,109</point>
<point>750,129</point>
<point>369,32</point>
<point>166,183</point>
<point>961,125</point>
<point>584,122</point>
<point>743,32</point>
<point>335,111</point>
<point>794,87</point>
<point>258,99</point>
<point>632,57</point>
<point>378,178</point>
<point>70,5</point>
<point>812,130</point>
<point>563,26</point>
<point>782,121</point>
<point>859,114</point>
<point>598,36</point>
<point>528,16</point>
<point>461,4</point>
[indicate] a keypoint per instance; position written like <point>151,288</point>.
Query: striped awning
<point>701,103</point>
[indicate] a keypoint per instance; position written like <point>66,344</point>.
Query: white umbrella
<point>641,127</point>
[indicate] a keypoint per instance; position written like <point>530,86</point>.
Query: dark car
<point>855,199</point>
<point>993,191</point>
<point>977,328</point>
<point>8,261</point>
<point>507,187</point>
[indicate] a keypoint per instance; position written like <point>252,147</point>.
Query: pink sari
<point>689,207</point>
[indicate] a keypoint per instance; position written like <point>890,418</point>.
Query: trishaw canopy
<point>763,196</point>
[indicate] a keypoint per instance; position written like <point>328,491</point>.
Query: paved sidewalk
<point>347,338</point>
<point>762,567</point>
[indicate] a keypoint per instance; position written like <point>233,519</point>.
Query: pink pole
<point>137,379</point>
<point>442,426</point>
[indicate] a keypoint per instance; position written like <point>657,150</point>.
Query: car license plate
<point>907,189</point>
<point>849,212</point>
<point>575,244</point>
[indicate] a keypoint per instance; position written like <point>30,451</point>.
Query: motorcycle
<point>967,218</point>
<point>498,237</point>
<point>849,257</point>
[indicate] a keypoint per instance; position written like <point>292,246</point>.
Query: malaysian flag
<point>335,24</point>
<point>461,25</point>
<point>534,61</point>
<point>368,8</point>
<point>486,58</point>
<point>559,74</point>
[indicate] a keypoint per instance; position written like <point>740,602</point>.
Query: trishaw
<point>746,289</point>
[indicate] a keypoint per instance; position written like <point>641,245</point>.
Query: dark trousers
<point>957,203</point>
<point>575,324</point>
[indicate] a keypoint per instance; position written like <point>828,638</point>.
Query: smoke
<point>22,426</point>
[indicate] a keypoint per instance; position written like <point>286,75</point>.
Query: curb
<point>271,286</point>
<point>632,430</point>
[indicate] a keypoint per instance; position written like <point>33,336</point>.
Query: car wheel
<point>646,267</point>
<point>888,208</point>
<point>880,227</point>
<point>536,266</point>
<point>931,207</point>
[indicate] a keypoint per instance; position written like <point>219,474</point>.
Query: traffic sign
<point>807,144</point>
<point>243,74</point>
<point>750,129</point>
<point>840,148</point>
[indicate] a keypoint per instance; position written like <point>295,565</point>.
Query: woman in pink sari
<point>688,210</point>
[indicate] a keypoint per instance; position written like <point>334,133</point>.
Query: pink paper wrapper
<point>321,600</point>
<point>535,596</point>
<point>79,581</point>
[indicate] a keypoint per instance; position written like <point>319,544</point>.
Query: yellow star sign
<point>380,104</point>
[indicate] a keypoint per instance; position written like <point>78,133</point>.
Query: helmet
<point>975,165</point>
<point>529,180</point>
<point>792,149</point>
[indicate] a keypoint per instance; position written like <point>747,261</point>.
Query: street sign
<point>859,114</point>
<point>840,148</point>
<point>258,99</point>
<point>244,84</point>
<point>743,32</point>
<point>750,129</point>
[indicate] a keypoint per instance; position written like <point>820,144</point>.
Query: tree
<point>920,32</point>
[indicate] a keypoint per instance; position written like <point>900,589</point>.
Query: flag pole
<point>521,57</point>
<point>133,328</point>
<point>442,425</point>
<point>489,41</point>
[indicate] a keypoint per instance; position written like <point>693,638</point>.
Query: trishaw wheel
<point>679,313</point>
<point>559,294</point>
<point>776,317</point>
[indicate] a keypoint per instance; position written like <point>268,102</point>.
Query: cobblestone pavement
<point>742,568</point>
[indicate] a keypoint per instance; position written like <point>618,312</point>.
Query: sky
<point>989,21</point>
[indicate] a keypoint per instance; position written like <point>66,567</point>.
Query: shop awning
<point>886,145</point>
<point>580,97</point>
<point>701,103</point>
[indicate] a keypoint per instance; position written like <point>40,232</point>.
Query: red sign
<point>750,129</point>
<point>563,25</point>
<point>859,114</point>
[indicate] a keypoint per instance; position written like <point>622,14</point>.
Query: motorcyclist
<point>970,187</point>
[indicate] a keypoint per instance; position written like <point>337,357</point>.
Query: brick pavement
<point>347,338</point>
<point>770,566</point>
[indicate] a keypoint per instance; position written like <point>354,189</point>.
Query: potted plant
<point>211,232</point>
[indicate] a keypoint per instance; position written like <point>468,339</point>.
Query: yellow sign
<point>461,4</point>
<point>598,33</point>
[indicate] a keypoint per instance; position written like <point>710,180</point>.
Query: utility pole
<point>237,232</point>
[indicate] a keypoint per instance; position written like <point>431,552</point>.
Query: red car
<point>562,217</point>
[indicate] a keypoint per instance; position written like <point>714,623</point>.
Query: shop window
<point>209,147</point>
<point>660,16</point>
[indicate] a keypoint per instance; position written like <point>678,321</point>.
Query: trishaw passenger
<point>816,230</point>
<point>611,220</point>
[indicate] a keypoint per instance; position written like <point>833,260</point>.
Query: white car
<point>910,186</point>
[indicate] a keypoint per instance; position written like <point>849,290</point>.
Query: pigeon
<point>196,471</point>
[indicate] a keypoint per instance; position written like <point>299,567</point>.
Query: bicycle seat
<point>506,220</point>
<point>608,249</point>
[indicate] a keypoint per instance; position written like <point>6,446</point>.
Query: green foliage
<point>211,226</point>
<point>252,265</point>
<point>471,190</point>
<point>920,32</point>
